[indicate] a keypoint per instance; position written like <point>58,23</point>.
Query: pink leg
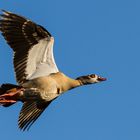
<point>7,102</point>
<point>10,97</point>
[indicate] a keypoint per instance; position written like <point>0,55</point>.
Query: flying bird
<point>38,77</point>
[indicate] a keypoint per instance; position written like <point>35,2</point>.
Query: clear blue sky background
<point>91,36</point>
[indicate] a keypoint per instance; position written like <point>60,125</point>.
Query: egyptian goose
<point>39,80</point>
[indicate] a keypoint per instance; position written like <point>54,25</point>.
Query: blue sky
<point>91,36</point>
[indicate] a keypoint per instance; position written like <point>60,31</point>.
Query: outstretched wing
<point>30,112</point>
<point>32,45</point>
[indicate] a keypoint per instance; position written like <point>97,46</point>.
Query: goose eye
<point>92,75</point>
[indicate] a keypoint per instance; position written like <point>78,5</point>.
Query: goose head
<point>90,79</point>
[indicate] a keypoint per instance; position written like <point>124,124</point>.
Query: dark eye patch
<point>92,75</point>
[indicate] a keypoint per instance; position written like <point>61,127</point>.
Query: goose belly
<point>40,89</point>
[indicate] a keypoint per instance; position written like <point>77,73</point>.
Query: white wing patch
<point>41,60</point>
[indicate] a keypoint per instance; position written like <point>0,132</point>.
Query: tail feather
<point>5,87</point>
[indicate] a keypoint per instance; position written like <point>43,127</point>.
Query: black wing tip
<point>5,11</point>
<point>30,112</point>
<point>26,124</point>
